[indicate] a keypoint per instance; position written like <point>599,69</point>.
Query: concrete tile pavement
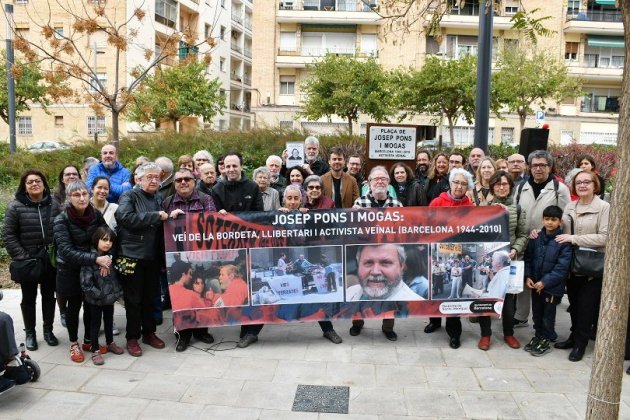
<point>418,376</point>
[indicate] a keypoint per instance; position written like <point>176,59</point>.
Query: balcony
<point>329,12</point>
<point>301,57</point>
<point>248,24</point>
<point>594,67</point>
<point>595,22</point>
<point>236,77</point>
<point>463,21</point>
<point>247,79</point>
<point>237,18</point>
<point>247,51</point>
<point>236,47</point>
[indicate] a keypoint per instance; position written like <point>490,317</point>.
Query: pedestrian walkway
<point>418,376</point>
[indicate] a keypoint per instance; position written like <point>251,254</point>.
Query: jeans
<point>544,314</point>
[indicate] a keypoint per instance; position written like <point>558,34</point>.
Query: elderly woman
<point>270,196</point>
<point>585,224</point>
<point>140,256</point>
<point>27,231</point>
<point>502,185</point>
<point>461,182</point>
<point>73,229</point>
<point>314,197</point>
<point>481,194</point>
<point>408,191</point>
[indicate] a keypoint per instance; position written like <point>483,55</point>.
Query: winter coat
<point>23,221</point>
<point>591,226</point>
<point>73,251</point>
<point>99,290</point>
<point>516,225</point>
<point>241,195</point>
<point>548,261</point>
<point>535,206</point>
<point>139,225</point>
<point>445,200</point>
<point>436,186</point>
<point>411,194</point>
<point>119,177</point>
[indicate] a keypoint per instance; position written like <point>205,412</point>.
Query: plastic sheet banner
<point>274,267</point>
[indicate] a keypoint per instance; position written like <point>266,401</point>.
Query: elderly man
<point>339,186</point>
<point>377,196</point>
<point>201,157</point>
<point>276,180</point>
<point>110,167</point>
<point>380,270</point>
<point>313,163</point>
<point>270,196</point>
<point>139,218</point>
<point>474,159</point>
<point>517,168</point>
<point>207,177</point>
<point>541,190</point>
<point>166,177</point>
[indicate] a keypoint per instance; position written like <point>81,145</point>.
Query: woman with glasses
<point>314,197</point>
<point>73,229</point>
<point>27,232</point>
<point>460,182</point>
<point>502,185</point>
<point>585,224</point>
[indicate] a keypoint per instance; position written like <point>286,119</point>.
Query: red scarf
<point>81,220</point>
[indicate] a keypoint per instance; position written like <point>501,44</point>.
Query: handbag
<point>586,261</point>
<point>30,269</point>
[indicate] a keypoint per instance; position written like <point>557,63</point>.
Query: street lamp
<point>8,12</point>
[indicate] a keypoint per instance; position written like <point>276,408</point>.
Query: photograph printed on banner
<point>208,279</point>
<point>394,272</point>
<point>469,271</point>
<point>296,275</point>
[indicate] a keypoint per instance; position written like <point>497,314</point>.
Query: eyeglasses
<point>314,187</point>
<point>456,162</point>
<point>79,195</point>
<point>379,179</point>
<point>540,165</point>
<point>34,181</point>
<point>71,174</point>
<point>512,162</point>
<point>502,184</point>
<point>152,177</point>
<point>184,179</point>
<point>460,183</point>
<point>585,182</point>
<point>202,160</point>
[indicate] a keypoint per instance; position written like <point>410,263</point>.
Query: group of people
<point>107,233</point>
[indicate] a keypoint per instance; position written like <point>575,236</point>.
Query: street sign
<point>540,116</point>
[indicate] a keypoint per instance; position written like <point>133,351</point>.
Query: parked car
<point>47,146</point>
<point>433,144</point>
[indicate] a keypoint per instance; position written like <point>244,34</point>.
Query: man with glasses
<point>355,164</point>
<point>534,195</point>
<point>110,167</point>
<point>516,168</point>
<point>339,186</point>
<point>377,196</point>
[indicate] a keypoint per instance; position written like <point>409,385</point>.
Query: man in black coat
<point>237,193</point>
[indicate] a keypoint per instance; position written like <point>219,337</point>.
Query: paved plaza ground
<point>418,376</point>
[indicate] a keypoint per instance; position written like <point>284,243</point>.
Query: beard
<point>423,168</point>
<point>379,190</point>
<point>382,291</point>
<point>109,165</point>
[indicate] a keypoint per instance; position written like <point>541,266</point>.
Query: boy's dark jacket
<point>548,261</point>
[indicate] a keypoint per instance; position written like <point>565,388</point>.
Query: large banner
<point>274,267</point>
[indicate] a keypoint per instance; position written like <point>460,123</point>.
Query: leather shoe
<point>50,338</point>
<point>431,327</point>
<point>333,336</point>
<point>181,346</point>
<point>355,330</point>
<point>454,343</point>
<point>204,337</point>
<point>133,347</point>
<point>576,354</point>
<point>153,340</point>
<point>247,340</point>
<point>390,335</point>
<point>31,340</point>
<point>484,343</point>
<point>569,343</point>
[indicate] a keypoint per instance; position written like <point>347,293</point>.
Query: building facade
<point>586,34</point>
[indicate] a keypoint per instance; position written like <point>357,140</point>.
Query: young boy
<point>546,269</point>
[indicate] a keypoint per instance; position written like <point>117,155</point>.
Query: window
<point>460,45</point>
<point>223,3</point>
<point>573,7</point>
<point>286,125</point>
<point>102,78</point>
<point>59,32</point>
<point>511,10</point>
<point>509,44</point>
<point>571,51</point>
<point>96,125</point>
<point>222,92</point>
<point>603,57</point>
<point>25,126</point>
<point>288,41</point>
<point>222,34</point>
<point>287,85</point>
<point>21,1</point>
<point>222,64</point>
<point>166,12</point>
<point>58,121</point>
<point>601,100</point>
<point>432,45</point>
<point>207,30</point>
<point>507,135</point>
<point>368,44</point>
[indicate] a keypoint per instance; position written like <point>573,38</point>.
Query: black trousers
<point>453,325</point>
<point>140,290</point>
<point>388,324</point>
<point>72,318</point>
<point>8,346</point>
<point>187,334</point>
<point>106,312</point>
<point>29,301</point>
<point>584,297</point>
<point>507,318</point>
<point>255,329</point>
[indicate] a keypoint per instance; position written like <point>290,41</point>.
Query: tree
<point>31,87</point>
<point>69,53</point>
<point>442,88</point>
<point>345,86</point>
<point>524,80</point>
<point>176,92</point>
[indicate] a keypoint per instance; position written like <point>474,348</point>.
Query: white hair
<point>273,158</point>
<point>465,173</point>
<point>311,140</point>
<point>165,164</point>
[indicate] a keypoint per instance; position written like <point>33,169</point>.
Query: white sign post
<point>540,117</point>
<point>392,142</point>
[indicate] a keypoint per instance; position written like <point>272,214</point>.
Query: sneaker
<point>511,341</point>
<point>97,359</point>
<point>17,374</point>
<point>115,329</point>
<point>133,347</point>
<point>333,336</point>
<point>542,348</point>
<point>247,340</point>
<point>484,343</point>
<point>532,344</point>
<point>520,324</point>
<point>115,348</point>
<point>153,340</point>
<point>87,346</point>
<point>76,355</point>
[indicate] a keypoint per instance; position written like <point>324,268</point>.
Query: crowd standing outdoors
<point>108,237</point>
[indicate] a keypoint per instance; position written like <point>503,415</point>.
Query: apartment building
<point>229,22</point>
<point>587,35</point>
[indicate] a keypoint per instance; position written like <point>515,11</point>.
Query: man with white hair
<point>517,168</point>
<point>474,159</point>
<point>166,177</point>
<point>201,157</point>
<point>313,163</point>
<point>276,180</point>
<point>110,167</point>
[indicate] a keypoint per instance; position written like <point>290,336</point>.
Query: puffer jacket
<point>139,225</point>
<point>516,225</point>
<point>548,261</point>
<point>118,179</point>
<point>99,290</point>
<point>74,251</point>
<point>23,221</point>
<point>241,195</point>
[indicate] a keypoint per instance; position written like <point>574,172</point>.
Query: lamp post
<point>484,62</point>
<point>8,12</point>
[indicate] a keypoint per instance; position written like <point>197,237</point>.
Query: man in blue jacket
<point>110,167</point>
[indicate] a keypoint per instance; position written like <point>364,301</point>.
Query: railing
<point>236,46</point>
<point>596,16</point>
<point>248,52</point>
<point>247,80</point>
<point>248,24</point>
<point>597,61</point>
<point>236,77</point>
<point>330,5</point>
<point>237,18</point>
<point>320,52</point>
